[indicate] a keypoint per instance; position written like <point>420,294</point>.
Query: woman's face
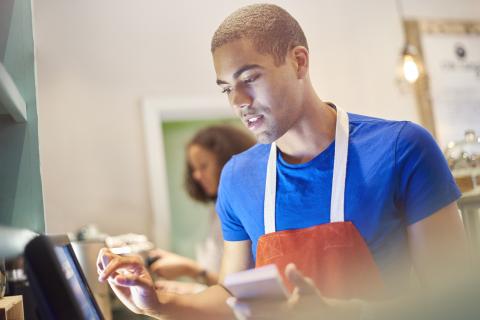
<point>205,169</point>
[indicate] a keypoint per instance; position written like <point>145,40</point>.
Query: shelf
<point>11,308</point>
<point>473,172</point>
<point>11,101</point>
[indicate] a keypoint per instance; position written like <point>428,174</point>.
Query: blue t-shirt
<point>396,176</point>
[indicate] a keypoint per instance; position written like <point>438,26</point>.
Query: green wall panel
<point>189,218</point>
<point>21,203</point>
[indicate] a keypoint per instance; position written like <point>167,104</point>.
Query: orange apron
<point>334,255</point>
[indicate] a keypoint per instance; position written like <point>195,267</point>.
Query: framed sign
<point>448,89</point>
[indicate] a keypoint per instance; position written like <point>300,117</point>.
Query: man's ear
<point>300,58</point>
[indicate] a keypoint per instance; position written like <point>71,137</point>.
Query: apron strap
<point>270,191</point>
<point>342,133</point>
<point>338,181</point>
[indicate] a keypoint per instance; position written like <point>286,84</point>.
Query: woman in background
<point>207,153</point>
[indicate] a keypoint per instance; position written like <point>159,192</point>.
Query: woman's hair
<point>224,142</point>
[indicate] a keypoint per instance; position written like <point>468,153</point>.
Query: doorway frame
<point>156,111</point>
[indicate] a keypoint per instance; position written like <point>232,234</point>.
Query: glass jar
<point>464,160</point>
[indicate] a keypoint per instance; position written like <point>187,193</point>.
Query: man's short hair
<point>271,29</point>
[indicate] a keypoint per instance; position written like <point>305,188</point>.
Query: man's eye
<point>251,79</point>
<point>226,90</point>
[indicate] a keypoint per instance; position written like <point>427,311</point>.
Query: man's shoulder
<point>400,134</point>
<point>373,121</point>
<point>368,126</point>
<point>403,130</point>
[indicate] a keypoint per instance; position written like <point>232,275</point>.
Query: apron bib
<point>334,255</point>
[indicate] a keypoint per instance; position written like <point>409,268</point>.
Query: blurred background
<point>97,61</point>
<point>94,70</point>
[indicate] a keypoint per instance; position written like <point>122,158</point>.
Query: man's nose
<point>240,98</point>
<point>197,175</point>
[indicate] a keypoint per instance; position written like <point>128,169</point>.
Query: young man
<point>353,201</point>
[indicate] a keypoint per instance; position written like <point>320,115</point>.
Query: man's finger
<point>132,280</point>
<point>305,286</point>
<point>101,254</point>
<point>120,262</point>
<point>103,259</point>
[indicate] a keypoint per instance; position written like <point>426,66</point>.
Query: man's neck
<point>310,135</point>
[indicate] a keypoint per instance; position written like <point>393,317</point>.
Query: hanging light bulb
<point>410,68</point>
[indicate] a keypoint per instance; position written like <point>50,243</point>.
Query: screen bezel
<point>64,241</point>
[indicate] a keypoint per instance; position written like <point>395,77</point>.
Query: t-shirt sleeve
<point>425,182</point>
<point>232,227</point>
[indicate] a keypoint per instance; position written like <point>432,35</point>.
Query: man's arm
<point>210,303</point>
<point>438,247</point>
<point>236,257</point>
<point>132,283</point>
<point>439,252</point>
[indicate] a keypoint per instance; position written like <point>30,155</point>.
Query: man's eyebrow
<point>240,71</point>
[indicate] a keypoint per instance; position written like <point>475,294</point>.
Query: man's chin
<point>265,138</point>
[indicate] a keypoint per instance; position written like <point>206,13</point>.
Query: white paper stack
<point>264,282</point>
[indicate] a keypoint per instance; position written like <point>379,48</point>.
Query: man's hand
<point>170,266</point>
<point>305,302</point>
<point>129,279</point>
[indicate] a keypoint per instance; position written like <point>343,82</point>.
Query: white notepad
<point>264,282</point>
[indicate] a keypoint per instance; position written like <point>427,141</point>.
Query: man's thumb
<point>303,284</point>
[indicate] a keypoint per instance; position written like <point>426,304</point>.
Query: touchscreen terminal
<point>57,280</point>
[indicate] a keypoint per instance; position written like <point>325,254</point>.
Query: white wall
<point>97,59</point>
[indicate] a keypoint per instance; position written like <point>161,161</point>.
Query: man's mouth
<point>253,122</point>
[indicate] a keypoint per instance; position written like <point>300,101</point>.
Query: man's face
<point>267,98</point>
